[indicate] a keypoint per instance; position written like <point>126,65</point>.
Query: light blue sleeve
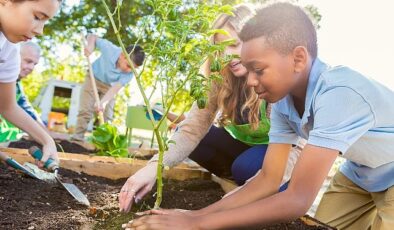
<point>341,117</point>
<point>106,47</point>
<point>281,132</point>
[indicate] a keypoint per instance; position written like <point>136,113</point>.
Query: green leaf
<point>109,142</point>
<point>202,102</point>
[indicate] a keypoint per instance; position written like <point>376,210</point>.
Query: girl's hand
<point>137,186</point>
<point>49,150</point>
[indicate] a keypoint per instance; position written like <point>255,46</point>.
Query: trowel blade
<point>39,173</point>
<point>75,192</point>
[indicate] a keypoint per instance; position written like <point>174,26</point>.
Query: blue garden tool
<point>14,164</point>
<point>52,165</point>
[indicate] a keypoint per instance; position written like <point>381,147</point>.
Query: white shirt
<point>9,60</point>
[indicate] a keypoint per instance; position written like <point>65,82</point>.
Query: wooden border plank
<point>109,167</point>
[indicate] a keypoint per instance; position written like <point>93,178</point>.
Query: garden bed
<point>69,147</point>
<point>26,203</point>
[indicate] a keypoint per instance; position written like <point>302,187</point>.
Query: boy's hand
<point>180,220</point>
<point>99,107</point>
<point>88,50</point>
<point>91,44</point>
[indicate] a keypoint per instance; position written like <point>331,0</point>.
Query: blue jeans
<point>221,154</point>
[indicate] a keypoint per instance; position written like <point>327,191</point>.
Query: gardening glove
<point>137,186</point>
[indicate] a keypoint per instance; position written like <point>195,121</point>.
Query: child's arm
<point>91,44</point>
<point>16,115</point>
<point>111,93</point>
<point>263,185</point>
<point>268,181</point>
<point>93,41</point>
<point>308,176</point>
<point>24,103</point>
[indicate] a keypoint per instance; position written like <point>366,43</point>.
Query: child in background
<point>111,72</point>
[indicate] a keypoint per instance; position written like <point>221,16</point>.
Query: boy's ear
<point>300,56</point>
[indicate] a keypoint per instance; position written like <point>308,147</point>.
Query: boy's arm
<point>263,185</point>
<point>91,44</point>
<point>308,176</point>
<point>111,93</point>
<point>275,161</point>
<point>16,115</point>
<point>106,47</point>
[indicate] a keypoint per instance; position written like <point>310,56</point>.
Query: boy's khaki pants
<point>86,106</point>
<point>347,206</point>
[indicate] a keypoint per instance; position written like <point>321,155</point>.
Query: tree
<point>180,45</point>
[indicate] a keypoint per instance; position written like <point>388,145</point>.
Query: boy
<point>111,71</point>
<point>339,112</point>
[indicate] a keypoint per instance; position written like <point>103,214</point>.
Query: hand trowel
<point>51,165</point>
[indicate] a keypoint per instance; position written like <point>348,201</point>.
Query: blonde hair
<point>232,91</point>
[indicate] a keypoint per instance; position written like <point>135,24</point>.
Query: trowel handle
<point>11,162</point>
<point>37,154</point>
<point>3,156</point>
<point>8,160</point>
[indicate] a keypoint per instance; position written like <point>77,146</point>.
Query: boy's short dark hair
<point>138,54</point>
<point>284,26</point>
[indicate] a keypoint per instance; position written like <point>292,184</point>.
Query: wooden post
<point>93,82</point>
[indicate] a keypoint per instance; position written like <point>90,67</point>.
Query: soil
<point>62,146</point>
<point>26,203</point>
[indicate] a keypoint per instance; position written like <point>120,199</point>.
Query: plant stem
<point>146,101</point>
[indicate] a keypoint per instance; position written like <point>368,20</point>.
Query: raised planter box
<point>188,194</point>
<point>109,167</point>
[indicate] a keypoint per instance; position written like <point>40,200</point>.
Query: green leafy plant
<point>109,142</point>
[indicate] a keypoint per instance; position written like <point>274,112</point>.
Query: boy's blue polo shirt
<point>104,68</point>
<point>347,112</point>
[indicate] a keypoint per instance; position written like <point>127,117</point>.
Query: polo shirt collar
<point>318,67</point>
